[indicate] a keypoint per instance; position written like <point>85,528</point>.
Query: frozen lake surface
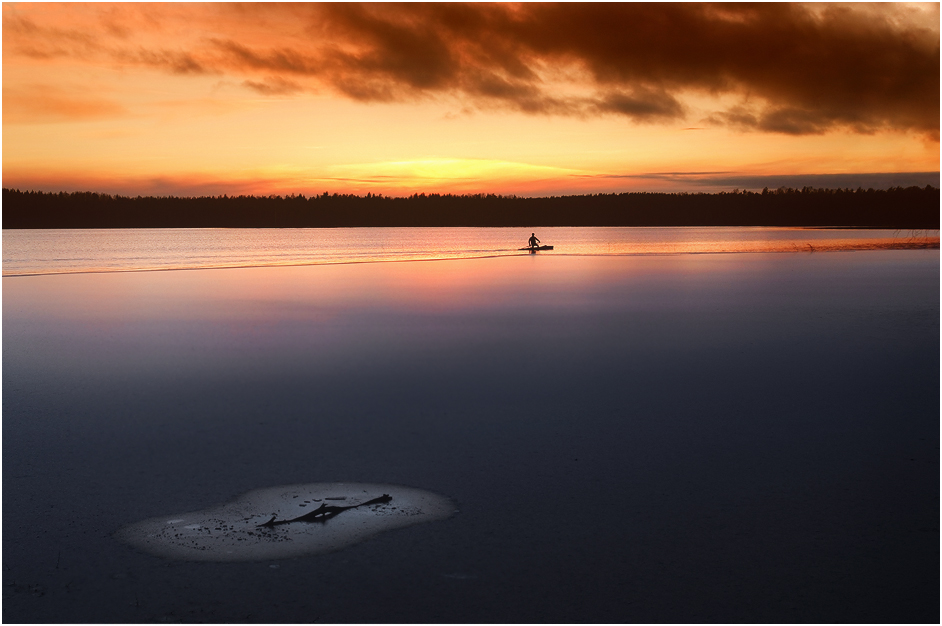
<point>644,438</point>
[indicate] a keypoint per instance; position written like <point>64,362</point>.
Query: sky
<point>524,99</point>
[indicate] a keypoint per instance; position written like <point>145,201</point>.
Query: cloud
<point>22,36</point>
<point>273,86</point>
<point>283,60</point>
<point>707,181</point>
<point>785,120</point>
<point>790,69</point>
<point>175,62</point>
<point>45,103</point>
<point>642,105</point>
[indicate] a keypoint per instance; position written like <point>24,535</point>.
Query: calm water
<point>29,252</point>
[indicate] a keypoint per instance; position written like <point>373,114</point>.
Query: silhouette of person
<point>533,242</point>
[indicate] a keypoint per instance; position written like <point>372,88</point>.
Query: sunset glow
<point>206,99</point>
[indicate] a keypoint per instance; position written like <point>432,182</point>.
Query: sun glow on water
<point>30,252</point>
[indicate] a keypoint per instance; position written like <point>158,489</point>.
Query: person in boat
<point>533,242</point>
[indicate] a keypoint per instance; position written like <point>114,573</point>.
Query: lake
<point>662,427</point>
<point>70,251</point>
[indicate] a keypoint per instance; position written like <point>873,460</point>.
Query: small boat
<point>535,248</point>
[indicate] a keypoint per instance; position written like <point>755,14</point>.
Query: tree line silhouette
<point>898,207</point>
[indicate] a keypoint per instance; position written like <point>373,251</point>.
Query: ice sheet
<point>235,531</point>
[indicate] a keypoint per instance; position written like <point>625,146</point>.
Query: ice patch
<point>234,531</point>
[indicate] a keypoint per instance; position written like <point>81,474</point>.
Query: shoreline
<point>913,207</point>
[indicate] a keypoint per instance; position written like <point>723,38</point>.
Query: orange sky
<point>204,99</point>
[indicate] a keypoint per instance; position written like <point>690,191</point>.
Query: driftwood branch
<point>323,512</point>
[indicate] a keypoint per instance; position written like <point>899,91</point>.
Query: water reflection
<point>27,252</point>
<point>345,318</point>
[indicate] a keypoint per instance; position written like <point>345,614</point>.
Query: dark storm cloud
<point>412,52</point>
<point>780,68</point>
<point>797,70</point>
<point>786,120</point>
<point>643,104</point>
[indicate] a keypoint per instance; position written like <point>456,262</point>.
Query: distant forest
<point>911,207</point>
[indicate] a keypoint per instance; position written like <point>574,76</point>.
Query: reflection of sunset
<point>35,252</point>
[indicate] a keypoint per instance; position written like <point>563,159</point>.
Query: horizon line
<point>665,182</point>
<point>509,196</point>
